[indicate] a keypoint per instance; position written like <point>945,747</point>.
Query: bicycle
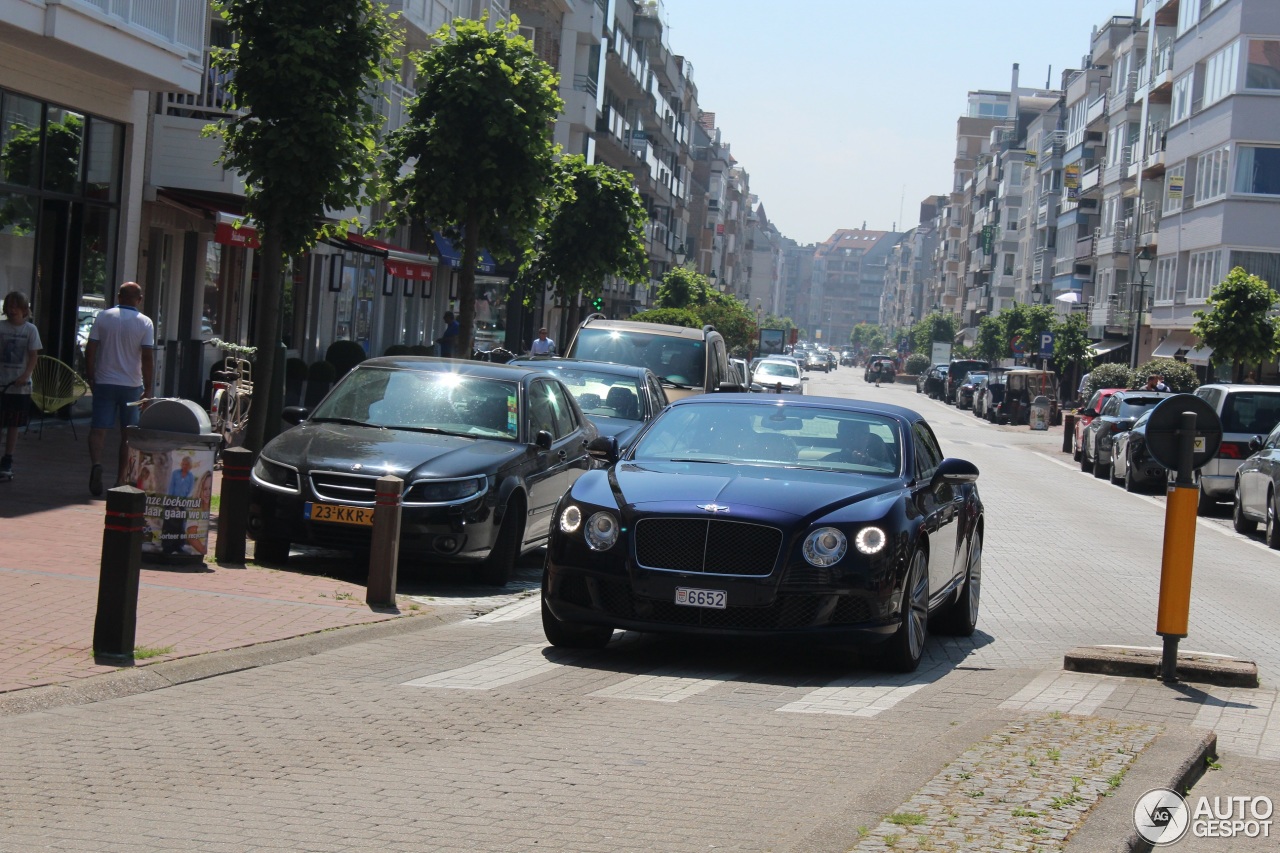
<point>232,398</point>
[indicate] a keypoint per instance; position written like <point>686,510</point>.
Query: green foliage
<point>475,156</point>
<point>991,345</point>
<point>670,317</point>
<point>20,161</point>
<point>937,327</point>
<point>344,355</point>
<point>1237,321</point>
<point>592,226</point>
<point>1071,353</point>
<point>917,363</point>
<point>731,319</point>
<point>869,336</point>
<point>1178,375</point>
<point>1107,376</point>
<point>682,287</point>
<point>304,77</point>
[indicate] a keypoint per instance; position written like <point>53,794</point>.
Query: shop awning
<point>399,262</point>
<point>453,256</point>
<point>1184,345</point>
<point>1104,347</point>
<point>232,229</point>
<point>1199,355</point>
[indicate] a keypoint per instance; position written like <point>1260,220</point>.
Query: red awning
<point>399,262</point>
<point>233,230</point>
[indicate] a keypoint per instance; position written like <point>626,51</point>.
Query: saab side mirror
<point>543,440</point>
<point>294,415</point>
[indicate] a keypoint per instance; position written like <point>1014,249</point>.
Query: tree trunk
<point>266,332</point>
<point>465,345</point>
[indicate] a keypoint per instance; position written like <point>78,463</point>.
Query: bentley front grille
<point>707,545</point>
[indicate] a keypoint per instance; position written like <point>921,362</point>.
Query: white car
<point>778,376</point>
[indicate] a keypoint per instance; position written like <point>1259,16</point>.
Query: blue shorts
<point>110,400</point>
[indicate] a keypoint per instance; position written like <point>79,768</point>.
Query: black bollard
<point>384,550</point>
<point>115,626</point>
<point>1068,432</point>
<point>233,505</point>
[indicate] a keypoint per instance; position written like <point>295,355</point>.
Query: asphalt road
<point>478,736</point>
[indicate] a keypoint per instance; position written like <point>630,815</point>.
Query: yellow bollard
<point>1175,567</point>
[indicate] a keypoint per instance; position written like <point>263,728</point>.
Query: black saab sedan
<point>1119,413</point>
<point>739,514</point>
<point>484,450</point>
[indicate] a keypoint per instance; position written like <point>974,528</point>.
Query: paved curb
<point>130,681</point>
<point>1175,760</point>
<point>1145,663</point>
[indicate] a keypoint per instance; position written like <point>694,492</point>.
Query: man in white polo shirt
<point>120,364</point>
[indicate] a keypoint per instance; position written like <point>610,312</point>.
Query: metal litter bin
<point>1039,412</point>
<point>171,457</point>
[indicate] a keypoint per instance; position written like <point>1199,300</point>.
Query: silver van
<point>1246,411</point>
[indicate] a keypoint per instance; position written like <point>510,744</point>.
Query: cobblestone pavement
<point>477,736</point>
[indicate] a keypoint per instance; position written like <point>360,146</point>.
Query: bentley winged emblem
<point>713,508</point>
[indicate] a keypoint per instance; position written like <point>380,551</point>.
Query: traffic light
<point>597,303</point>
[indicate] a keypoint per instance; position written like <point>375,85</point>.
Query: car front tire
<point>1273,524</point>
<point>1239,520</point>
<point>271,549</point>
<point>562,635</point>
<point>501,562</point>
<point>905,648</point>
<point>1204,504</point>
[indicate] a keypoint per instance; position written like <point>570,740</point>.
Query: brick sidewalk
<point>49,563</point>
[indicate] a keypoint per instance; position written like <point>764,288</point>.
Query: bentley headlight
<point>273,475</point>
<point>825,546</point>
<point>570,519</point>
<point>444,491</point>
<point>601,532</point>
<point>870,540</point>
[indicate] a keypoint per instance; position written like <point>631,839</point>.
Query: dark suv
<point>956,373</point>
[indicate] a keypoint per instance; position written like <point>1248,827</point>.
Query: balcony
<point>1160,84</point>
<point>1156,137</point>
<point>1084,247</point>
<point>1096,111</point>
<point>155,45</point>
<point>1118,168</point>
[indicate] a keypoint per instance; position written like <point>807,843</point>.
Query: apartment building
<point>75,78</point>
<point>848,280</point>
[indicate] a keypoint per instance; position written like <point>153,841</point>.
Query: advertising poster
<point>178,483</point>
<point>771,341</point>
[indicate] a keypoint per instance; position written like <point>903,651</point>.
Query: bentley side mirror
<point>294,414</point>
<point>604,448</point>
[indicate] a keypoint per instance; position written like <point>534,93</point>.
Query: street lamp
<point>680,256</point>
<point>1143,261</point>
<point>1037,295</point>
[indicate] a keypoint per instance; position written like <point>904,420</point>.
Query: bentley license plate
<point>713,598</point>
<point>339,514</point>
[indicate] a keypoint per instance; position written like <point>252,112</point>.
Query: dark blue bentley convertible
<point>737,514</point>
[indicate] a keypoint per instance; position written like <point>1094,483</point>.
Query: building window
<point>1166,276</point>
<point>1180,106</point>
<point>1220,74</point>
<point>1262,70</point>
<point>1211,174</point>
<point>1265,265</point>
<point>1257,170</point>
<point>1204,270</point>
<point>1174,181</point>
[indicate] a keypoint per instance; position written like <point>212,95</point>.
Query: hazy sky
<point>844,111</point>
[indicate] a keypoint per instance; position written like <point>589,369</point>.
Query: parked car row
<point>874,537</point>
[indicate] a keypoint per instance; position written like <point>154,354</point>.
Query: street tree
<point>689,292</point>
<point>475,158</point>
<point>1237,322</point>
<point>991,346</point>
<point>592,226</point>
<point>937,326</point>
<point>1071,348</point>
<point>303,78</point>
<point>682,287</point>
<point>871,337</point>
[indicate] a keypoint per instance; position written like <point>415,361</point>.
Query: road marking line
<point>1068,692</point>
<point>518,664</point>
<point>864,695</point>
<point>668,684</point>
<point>511,612</point>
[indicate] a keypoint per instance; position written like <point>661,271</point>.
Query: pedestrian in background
<point>19,350</point>
<point>119,364</point>
<point>542,345</point>
<point>450,337</point>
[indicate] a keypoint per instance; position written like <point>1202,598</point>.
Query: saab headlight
<point>570,519</point>
<point>601,531</point>
<point>870,540</point>
<point>825,546</point>
<point>274,475</point>
<point>444,491</point>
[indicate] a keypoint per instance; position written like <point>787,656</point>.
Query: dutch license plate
<point>712,598</point>
<point>339,514</point>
